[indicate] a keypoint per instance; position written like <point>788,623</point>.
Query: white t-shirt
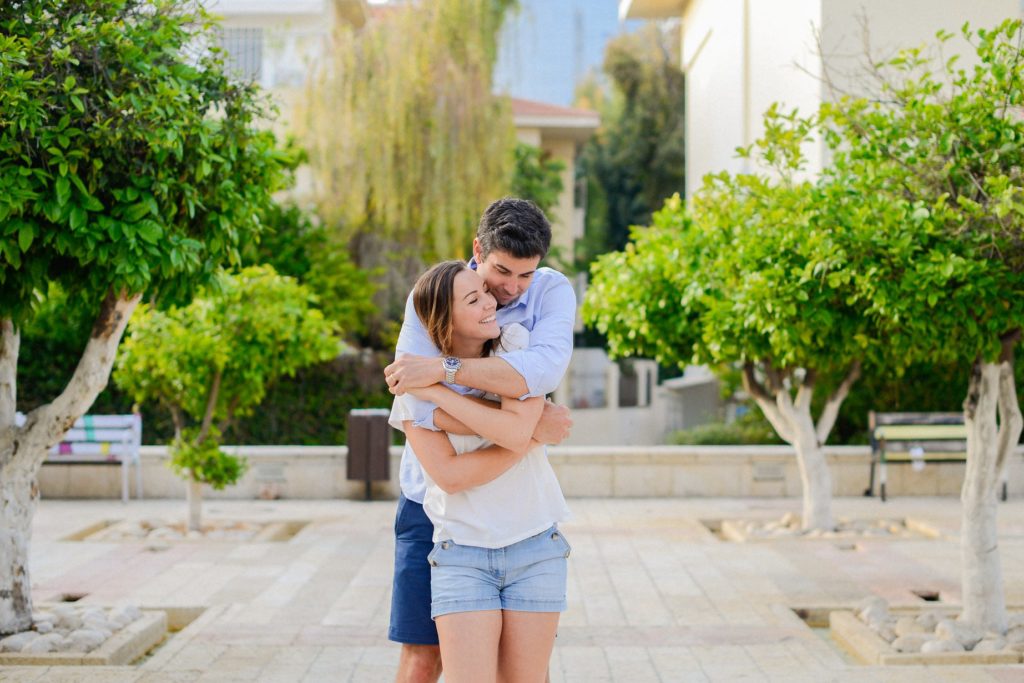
<point>522,502</point>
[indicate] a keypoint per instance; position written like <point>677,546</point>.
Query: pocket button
<point>554,536</point>
<point>433,563</point>
<point>444,545</point>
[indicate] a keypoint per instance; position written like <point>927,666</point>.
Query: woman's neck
<point>467,349</point>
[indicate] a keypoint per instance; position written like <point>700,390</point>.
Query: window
<point>243,52</point>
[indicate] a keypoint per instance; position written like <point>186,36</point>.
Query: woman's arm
<point>512,426</point>
<point>457,472</point>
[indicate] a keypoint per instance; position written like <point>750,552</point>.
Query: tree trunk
<point>18,496</point>
<point>814,476</point>
<point>794,423</point>
<point>23,449</point>
<point>195,504</point>
<point>990,441</point>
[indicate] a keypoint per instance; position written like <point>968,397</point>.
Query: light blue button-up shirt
<point>547,309</point>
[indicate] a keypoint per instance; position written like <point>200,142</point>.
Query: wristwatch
<point>451,365</point>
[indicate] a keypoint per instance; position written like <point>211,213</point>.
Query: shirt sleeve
<point>413,339</point>
<point>543,363</point>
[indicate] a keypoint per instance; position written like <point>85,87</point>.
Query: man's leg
<point>411,625</point>
<point>419,664</point>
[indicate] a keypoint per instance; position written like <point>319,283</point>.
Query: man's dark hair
<point>515,226</point>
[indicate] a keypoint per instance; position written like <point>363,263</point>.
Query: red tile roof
<point>521,107</point>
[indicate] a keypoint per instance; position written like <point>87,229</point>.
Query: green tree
<point>129,163</point>
<point>636,160</point>
<point>942,144</point>
<point>296,243</point>
<point>407,143</point>
<point>536,177</point>
<point>211,362</point>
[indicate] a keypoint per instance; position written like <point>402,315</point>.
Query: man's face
<point>506,276</point>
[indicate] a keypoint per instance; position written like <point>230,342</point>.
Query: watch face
<point>451,363</point>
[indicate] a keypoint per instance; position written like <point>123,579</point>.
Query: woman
<point>498,567</point>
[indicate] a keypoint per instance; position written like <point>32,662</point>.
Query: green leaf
<point>63,190</point>
<point>77,101</point>
<point>150,231</point>
<point>25,236</point>
<point>79,218</point>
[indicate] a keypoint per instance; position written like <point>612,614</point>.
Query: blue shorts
<point>528,576</point>
<point>410,596</point>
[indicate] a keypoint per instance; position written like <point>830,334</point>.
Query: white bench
<point>102,440</point>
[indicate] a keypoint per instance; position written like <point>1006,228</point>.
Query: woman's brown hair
<point>433,297</point>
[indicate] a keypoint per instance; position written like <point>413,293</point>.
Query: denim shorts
<point>528,576</point>
<point>410,596</point>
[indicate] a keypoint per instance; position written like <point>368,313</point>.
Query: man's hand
<point>554,424</point>
<point>413,372</point>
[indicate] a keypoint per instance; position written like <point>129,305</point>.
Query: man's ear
<point>476,251</point>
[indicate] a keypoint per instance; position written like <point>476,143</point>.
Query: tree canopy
<point>128,160</point>
<point>407,142</point>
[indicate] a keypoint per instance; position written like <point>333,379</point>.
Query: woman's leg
<point>469,645</point>
<point>527,639</point>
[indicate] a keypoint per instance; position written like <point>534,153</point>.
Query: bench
<point>916,439</point>
<point>101,440</point>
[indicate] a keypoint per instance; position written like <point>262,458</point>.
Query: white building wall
<point>713,60</point>
<point>740,56</point>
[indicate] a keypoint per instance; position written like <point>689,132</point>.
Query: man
<point>512,237</point>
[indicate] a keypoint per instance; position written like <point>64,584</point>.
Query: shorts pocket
<point>557,537</point>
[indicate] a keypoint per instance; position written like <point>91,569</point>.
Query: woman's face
<point>473,309</point>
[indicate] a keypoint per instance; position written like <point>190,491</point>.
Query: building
<point>740,56</point>
<point>548,47</point>
<point>558,132</point>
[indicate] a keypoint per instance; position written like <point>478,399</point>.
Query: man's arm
<point>455,473</point>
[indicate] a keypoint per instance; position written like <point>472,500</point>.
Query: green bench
<point>916,439</point>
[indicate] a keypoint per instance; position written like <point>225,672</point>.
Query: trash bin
<point>369,440</point>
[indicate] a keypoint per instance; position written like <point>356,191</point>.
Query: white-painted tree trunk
<point>23,449</point>
<point>990,441</point>
<point>794,423</point>
<point>18,496</point>
<point>195,504</point>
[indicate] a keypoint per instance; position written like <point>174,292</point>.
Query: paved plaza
<point>654,595</point>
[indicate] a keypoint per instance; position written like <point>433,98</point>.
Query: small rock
<point>942,645</point>
<point>928,620</point>
<point>1014,620</point>
<point>128,612</point>
<point>67,618</point>
<point>874,613</point>
<point>86,639</point>
<point>1015,635</point>
<point>989,645</point>
<point>966,634</point>
<point>48,643</point>
<point>790,520</point>
<point>911,642</point>
<point>887,633</point>
<point>43,627</point>
<point>907,625</point>
<point>17,641</point>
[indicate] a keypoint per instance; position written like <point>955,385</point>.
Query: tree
<point>636,160</point>
<point>767,271</point>
<point>129,163</point>
<point>536,177</point>
<point>297,244</point>
<point>750,278</point>
<point>212,361</point>
<point>407,143</point>
<point>943,144</point>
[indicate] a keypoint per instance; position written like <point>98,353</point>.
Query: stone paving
<point>653,594</point>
